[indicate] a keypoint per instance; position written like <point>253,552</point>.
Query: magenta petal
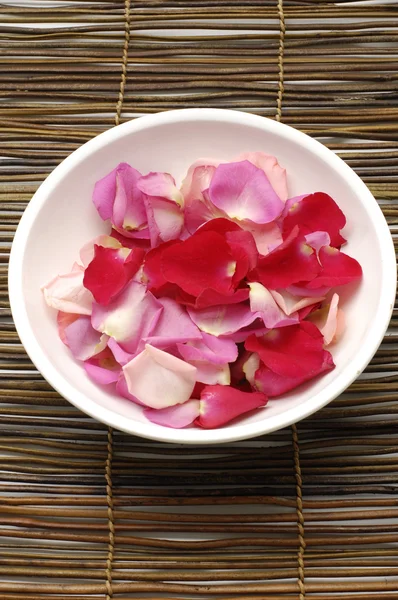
<point>243,191</point>
<point>272,169</point>
<point>83,340</point>
<point>219,404</point>
<point>222,320</point>
<point>337,269</point>
<point>68,294</point>
<point>174,326</point>
<point>103,368</point>
<point>176,417</point>
<point>212,298</point>
<point>129,318</point>
<point>159,379</point>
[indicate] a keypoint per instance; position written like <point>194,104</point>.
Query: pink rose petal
<point>173,326</point>
<point>209,349</point>
<point>68,294</point>
<point>272,169</point>
<point>291,304</point>
<point>219,404</point>
<point>222,320</point>
<point>159,379</point>
<point>329,320</point>
<point>63,320</point>
<point>262,302</point>
<point>83,340</point>
<point>122,390</point>
<point>103,368</point>
<point>210,373</point>
<point>243,192</point>
<point>176,417</point>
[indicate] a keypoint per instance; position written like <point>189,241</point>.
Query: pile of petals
<point>205,301</point>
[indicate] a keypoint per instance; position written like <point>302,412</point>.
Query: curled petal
<point>177,417</point>
<point>267,237</point>
<point>251,366</point>
<point>197,180</point>
<point>329,320</point>
<point>129,318</point>
<point>272,384</point>
<point>68,294</point>
<point>121,356</point>
<point>219,404</point>
<point>272,169</point>
<point>110,271</point>
<point>117,197</point>
<point>222,320</point>
<point>299,261</point>
<point>159,379</point>
<point>103,368</point>
<point>63,320</point>
<point>337,269</point>
<point>138,239</point>
<point>316,212</point>
<point>243,191</point>
<point>256,328</point>
<point>160,185</point>
<point>209,349</point>
<point>173,326</point>
<point>263,303</point>
<point>87,252</point>
<point>295,351</point>
<point>83,340</point>
<point>201,262</point>
<point>318,239</point>
<point>291,304</point>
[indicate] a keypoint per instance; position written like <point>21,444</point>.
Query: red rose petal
<point>293,351</point>
<point>272,384</point>
<point>219,404</point>
<point>152,266</point>
<point>316,212</point>
<point>289,263</point>
<point>337,269</point>
<point>110,271</point>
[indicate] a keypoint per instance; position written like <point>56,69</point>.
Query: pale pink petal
<point>129,318</point>
<point>256,328</point>
<point>165,220</point>
<point>263,303</point>
<point>222,320</point>
<point>198,212</point>
<point>209,349</point>
<point>198,179</point>
<point>83,340</point>
<point>211,374</point>
<point>275,173</point>
<point>174,326</point>
<point>68,294</point>
<point>87,251</point>
<point>63,320</point>
<point>317,239</point>
<point>243,192</point>
<point>159,379</point>
<point>122,390</point>
<point>250,367</point>
<point>267,237</point>
<point>329,320</point>
<point>291,304</point>
<point>161,185</point>
<point>178,416</point>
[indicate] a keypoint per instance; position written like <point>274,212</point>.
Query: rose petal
<point>329,320</point>
<point>159,379</point>
<point>110,271</point>
<point>173,326</point>
<point>122,390</point>
<point>316,212</point>
<point>209,349</point>
<point>120,355</point>
<point>198,179</point>
<point>272,384</point>
<point>267,237</point>
<point>295,351</point>
<point>337,269</point>
<point>209,373</point>
<point>211,298</point>
<point>138,239</point>
<point>129,318</point>
<point>243,191</point>
<point>304,292</point>
<point>201,262</point>
<point>291,304</point>
<point>317,239</point>
<point>250,367</point>
<point>84,341</point>
<point>176,417</point>
<point>87,252</point>
<point>160,185</point>
<point>118,198</point>
<point>219,404</point>
<point>68,294</point>
<point>263,303</point>
<point>272,169</point>
<point>222,320</point>
<point>103,368</point>
<point>292,262</point>
<point>63,320</point>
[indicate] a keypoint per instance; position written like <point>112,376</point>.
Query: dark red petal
<point>289,263</point>
<point>316,212</point>
<point>337,269</point>
<point>110,271</point>
<point>244,252</point>
<point>211,298</point>
<point>307,310</point>
<point>220,225</point>
<point>153,264</point>
<point>272,384</point>
<point>201,262</point>
<point>293,351</point>
<point>222,403</point>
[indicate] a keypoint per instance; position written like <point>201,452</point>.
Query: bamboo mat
<point>307,513</point>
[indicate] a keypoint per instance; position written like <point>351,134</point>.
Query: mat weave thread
<point>306,513</point>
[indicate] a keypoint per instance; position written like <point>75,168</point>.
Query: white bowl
<point>61,217</point>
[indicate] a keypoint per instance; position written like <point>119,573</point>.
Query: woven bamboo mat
<point>307,513</point>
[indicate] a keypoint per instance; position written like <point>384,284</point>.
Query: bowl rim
<point>374,334</point>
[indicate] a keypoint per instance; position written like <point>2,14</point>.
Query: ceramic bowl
<point>61,217</point>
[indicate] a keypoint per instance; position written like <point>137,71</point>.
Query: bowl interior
<point>61,219</point>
